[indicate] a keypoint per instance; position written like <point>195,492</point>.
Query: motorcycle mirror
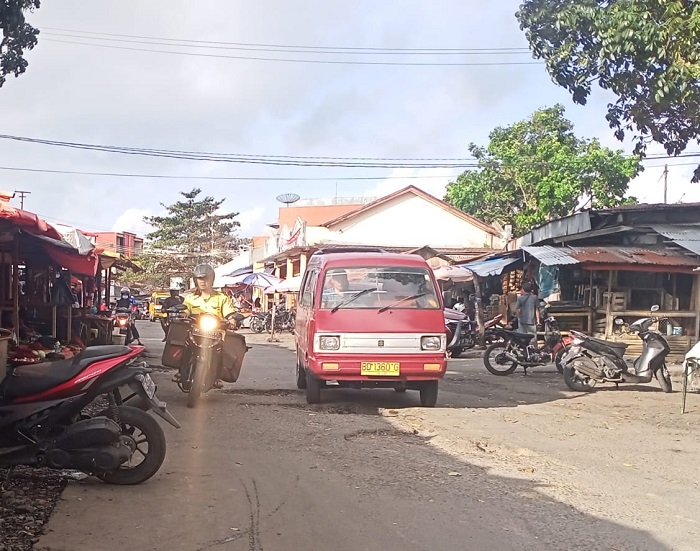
<point>619,321</point>
<point>655,308</point>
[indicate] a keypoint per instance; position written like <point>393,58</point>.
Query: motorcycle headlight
<point>329,342</point>
<point>122,322</point>
<point>208,323</point>
<point>430,343</point>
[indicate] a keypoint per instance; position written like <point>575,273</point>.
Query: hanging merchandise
<point>548,280</point>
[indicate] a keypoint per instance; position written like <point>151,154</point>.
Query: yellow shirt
<point>218,304</point>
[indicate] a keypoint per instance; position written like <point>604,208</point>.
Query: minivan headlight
<point>430,343</point>
<point>329,342</point>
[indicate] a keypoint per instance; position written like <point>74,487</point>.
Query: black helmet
<point>203,271</point>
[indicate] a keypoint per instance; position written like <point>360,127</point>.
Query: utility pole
<point>22,195</point>
<point>665,184</point>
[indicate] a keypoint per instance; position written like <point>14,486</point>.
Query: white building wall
<point>411,221</point>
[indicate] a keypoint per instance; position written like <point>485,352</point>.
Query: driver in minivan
<point>335,288</point>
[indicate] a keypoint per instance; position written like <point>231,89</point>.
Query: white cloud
<point>248,219</point>
<point>131,220</point>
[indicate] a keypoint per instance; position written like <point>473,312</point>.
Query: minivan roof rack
<point>354,249</point>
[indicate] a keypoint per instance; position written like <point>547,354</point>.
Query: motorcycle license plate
<point>390,369</point>
<point>149,386</point>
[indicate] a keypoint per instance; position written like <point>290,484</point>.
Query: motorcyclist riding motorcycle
<point>205,300</point>
<point>126,301</point>
<point>171,302</point>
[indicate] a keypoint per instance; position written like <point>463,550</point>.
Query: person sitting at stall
<point>126,301</point>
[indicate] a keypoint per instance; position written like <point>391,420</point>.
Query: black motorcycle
<point>285,320</point>
<point>258,321</point>
<point>503,357</point>
<point>204,352</point>
<point>592,360</point>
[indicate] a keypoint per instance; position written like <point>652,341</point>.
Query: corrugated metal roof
<point>686,236</point>
<point>490,267</point>
<point>631,255</point>
<point>551,256</point>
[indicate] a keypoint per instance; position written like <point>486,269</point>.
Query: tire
<point>493,367</point>
<point>195,394</point>
<point>558,356</point>
<point>301,376</point>
<point>429,394</point>
<point>455,352</point>
<point>664,377</point>
<point>134,418</point>
<point>313,388</point>
<point>574,380</point>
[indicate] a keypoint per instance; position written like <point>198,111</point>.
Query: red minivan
<point>369,319</point>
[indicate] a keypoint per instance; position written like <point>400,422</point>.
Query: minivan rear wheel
<point>313,389</point>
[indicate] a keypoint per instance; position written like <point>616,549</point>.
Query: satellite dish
<point>288,198</point>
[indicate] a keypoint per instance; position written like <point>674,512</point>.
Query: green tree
<point>17,36</point>
<point>536,170</point>
<point>643,51</point>
<point>192,231</point>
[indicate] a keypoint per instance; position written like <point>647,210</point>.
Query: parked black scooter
<point>593,360</point>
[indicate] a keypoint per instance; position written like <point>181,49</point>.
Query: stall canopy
<point>28,222</point>
<point>453,273</point>
<point>491,266</point>
<point>289,285</point>
<point>65,255</point>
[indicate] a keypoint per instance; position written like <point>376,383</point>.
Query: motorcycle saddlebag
<point>234,349</point>
<point>176,344</point>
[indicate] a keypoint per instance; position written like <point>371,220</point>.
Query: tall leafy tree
<point>17,36</point>
<point>643,51</point>
<point>193,230</point>
<point>537,169</point>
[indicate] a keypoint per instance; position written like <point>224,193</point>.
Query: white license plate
<point>148,385</point>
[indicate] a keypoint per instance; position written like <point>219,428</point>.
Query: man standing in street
<point>526,310</point>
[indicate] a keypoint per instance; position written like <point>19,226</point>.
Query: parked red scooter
<point>43,422</point>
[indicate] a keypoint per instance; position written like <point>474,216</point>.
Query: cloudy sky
<point>106,90</point>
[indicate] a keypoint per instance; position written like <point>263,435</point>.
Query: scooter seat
<point>33,379</point>
<point>618,348</point>
<point>518,336</point>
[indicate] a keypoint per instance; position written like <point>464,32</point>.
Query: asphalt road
<point>256,468</point>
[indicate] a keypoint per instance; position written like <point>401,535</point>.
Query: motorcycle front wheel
<point>199,378</point>
<point>496,362</point>
<point>664,377</point>
<point>148,450</point>
<point>576,380</point>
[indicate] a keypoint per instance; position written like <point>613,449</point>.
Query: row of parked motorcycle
<point>583,360</point>
<point>92,413</point>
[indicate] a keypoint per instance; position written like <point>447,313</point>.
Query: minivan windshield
<point>379,287</point>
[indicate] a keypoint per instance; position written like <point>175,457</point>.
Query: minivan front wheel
<point>429,394</point>
<point>313,389</point>
<point>301,376</point>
